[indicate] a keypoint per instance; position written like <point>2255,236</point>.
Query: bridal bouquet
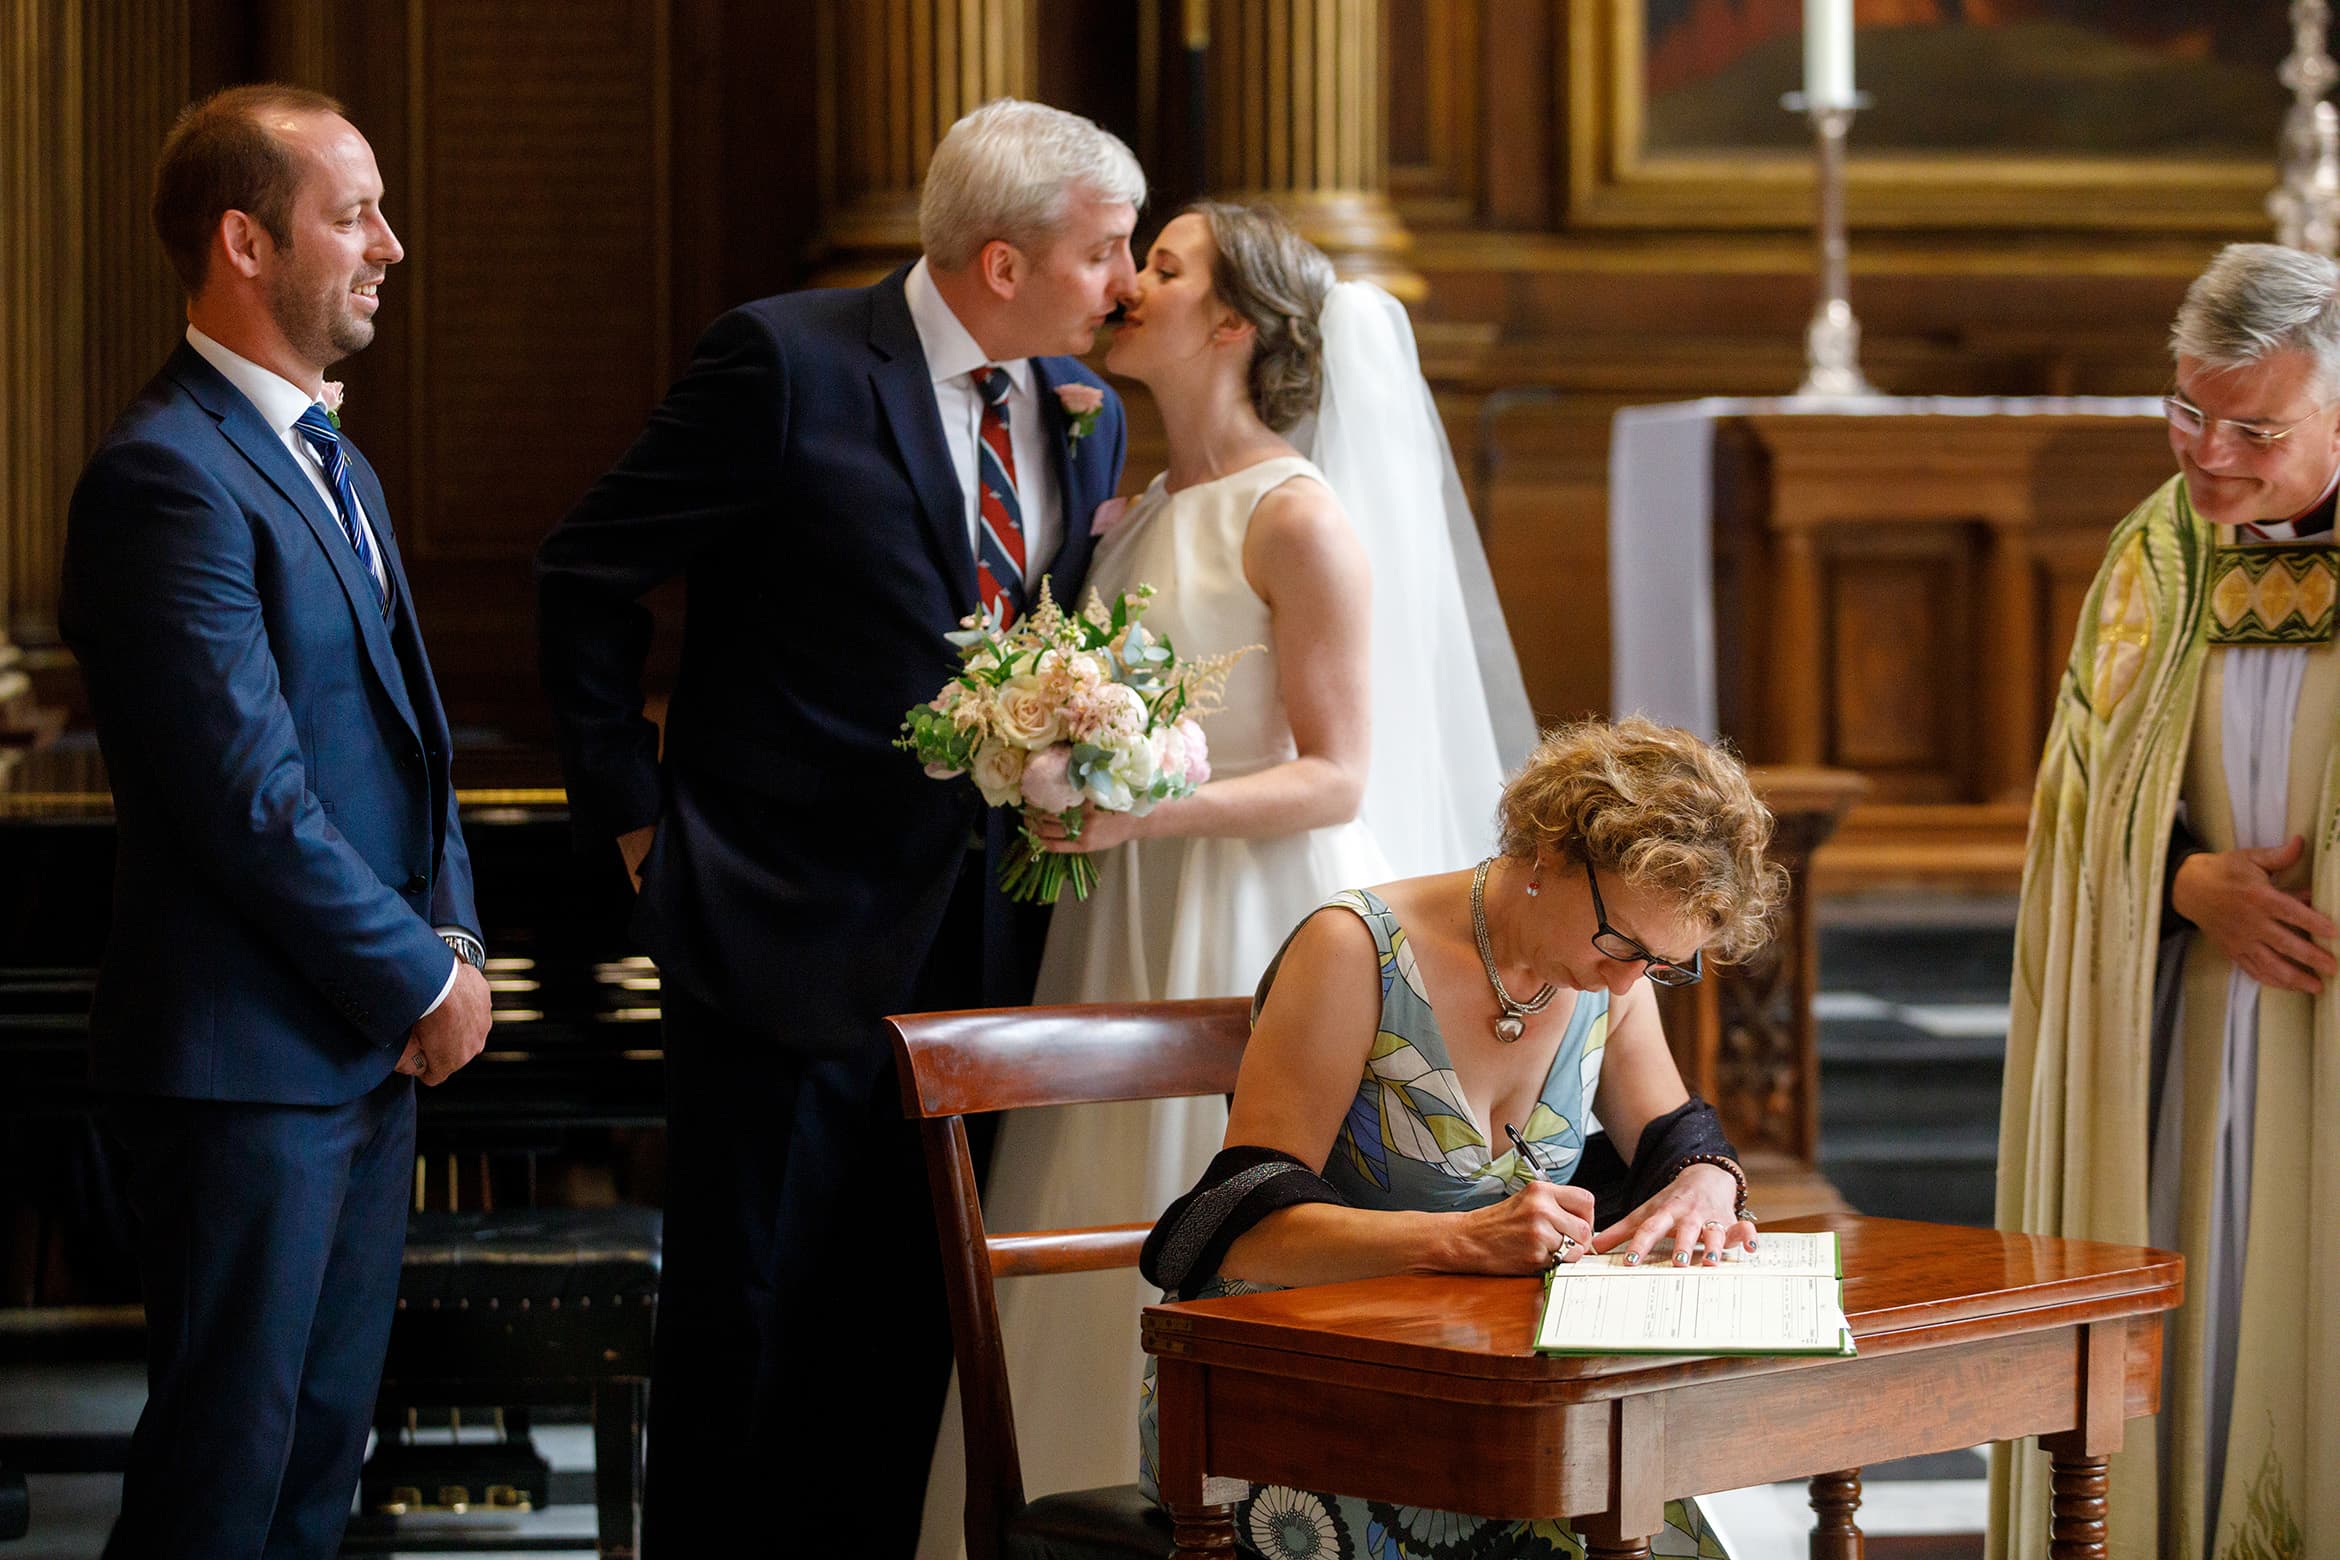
<point>1063,709</point>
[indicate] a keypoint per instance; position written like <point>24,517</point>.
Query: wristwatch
<point>467,947</point>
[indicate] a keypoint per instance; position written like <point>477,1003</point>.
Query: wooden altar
<point>1890,592</point>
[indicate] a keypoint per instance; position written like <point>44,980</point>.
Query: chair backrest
<point>953,1065</point>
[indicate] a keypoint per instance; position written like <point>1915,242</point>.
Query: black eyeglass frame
<point>1613,944</point>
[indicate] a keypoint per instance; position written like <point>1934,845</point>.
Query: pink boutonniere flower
<point>332,401</point>
<point>1081,405</point>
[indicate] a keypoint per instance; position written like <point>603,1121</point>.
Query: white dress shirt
<point>952,355</point>
<point>280,403</point>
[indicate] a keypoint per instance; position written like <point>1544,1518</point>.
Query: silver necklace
<point>1512,1022</point>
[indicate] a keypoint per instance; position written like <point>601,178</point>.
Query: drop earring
<point>1535,887</point>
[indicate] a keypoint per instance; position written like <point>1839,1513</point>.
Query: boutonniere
<point>1081,405</point>
<point>332,402</point>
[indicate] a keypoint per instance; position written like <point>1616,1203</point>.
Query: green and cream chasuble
<point>2139,726</point>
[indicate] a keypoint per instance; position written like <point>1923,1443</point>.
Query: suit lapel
<point>377,507</point>
<point>1071,560</point>
<point>241,424</point>
<point>905,393</point>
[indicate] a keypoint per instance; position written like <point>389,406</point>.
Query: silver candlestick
<point>1832,342</point>
<point>2306,205</point>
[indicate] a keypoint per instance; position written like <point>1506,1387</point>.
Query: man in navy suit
<point>293,939</point>
<point>842,476</point>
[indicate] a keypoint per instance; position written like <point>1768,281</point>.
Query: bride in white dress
<point>1356,746</point>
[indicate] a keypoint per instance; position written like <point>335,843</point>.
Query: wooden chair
<point>953,1065</point>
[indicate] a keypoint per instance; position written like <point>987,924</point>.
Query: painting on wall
<point>2141,117</point>
<point>2135,80</point>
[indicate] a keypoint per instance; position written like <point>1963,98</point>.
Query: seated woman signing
<point>1465,1073</point>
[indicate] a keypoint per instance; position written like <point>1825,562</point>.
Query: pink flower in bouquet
<point>1048,780</point>
<point>1065,673</point>
<point>1169,752</point>
<point>1105,713</point>
<point>1198,750</point>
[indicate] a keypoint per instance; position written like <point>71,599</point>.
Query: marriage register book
<point>1784,1297</point>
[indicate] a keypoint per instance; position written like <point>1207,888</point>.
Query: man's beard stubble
<point>320,327</point>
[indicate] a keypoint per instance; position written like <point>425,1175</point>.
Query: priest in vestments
<point>2173,1059</point>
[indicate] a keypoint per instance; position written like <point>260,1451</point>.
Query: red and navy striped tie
<point>325,439</point>
<point>999,549</point>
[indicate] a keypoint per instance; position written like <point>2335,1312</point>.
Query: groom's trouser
<point>803,1338</point>
<point>269,1244</point>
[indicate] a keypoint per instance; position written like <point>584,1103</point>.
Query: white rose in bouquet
<point>1024,713</point>
<point>998,773</point>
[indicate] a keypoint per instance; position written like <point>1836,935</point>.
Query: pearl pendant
<point>1510,1027</point>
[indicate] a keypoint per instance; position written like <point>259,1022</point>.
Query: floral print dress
<point>1409,1143</point>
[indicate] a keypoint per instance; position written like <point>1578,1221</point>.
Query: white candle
<point>1828,53</point>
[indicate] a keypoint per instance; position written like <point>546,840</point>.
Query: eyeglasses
<point>2191,420</point>
<point>1614,944</point>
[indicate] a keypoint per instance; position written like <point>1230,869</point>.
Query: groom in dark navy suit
<point>841,476</point>
<point>293,939</point>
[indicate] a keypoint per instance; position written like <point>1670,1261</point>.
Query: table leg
<point>1202,1530</point>
<point>1835,1497</point>
<point>1603,1540</point>
<point>2076,1526</point>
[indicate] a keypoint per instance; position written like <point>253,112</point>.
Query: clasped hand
<point>1097,830</point>
<point>2263,930</point>
<point>452,1033</point>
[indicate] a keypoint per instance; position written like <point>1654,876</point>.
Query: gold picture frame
<point>1613,181</point>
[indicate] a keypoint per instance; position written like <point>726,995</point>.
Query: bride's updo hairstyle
<point>1658,808</point>
<point>1278,281</point>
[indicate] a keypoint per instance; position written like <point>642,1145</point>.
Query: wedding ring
<point>1567,1245</point>
<point>1714,1224</point>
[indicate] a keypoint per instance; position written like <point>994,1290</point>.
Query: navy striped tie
<point>333,455</point>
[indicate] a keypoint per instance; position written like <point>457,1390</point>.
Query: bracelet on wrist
<point>1729,1167</point>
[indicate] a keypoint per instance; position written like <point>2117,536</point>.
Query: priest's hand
<point>2271,934</point>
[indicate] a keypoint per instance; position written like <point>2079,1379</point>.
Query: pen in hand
<point>1527,1155</point>
<point>1535,1168</point>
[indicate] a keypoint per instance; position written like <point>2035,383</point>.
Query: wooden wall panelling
<point>1899,693</point>
<point>41,418</point>
<point>1432,56</point>
<point>527,149</point>
<point>1537,465</point>
<point>1520,111</point>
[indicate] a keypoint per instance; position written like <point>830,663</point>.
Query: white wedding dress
<point>1194,917</point>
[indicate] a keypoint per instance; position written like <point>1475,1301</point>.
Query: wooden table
<point>1422,1391</point>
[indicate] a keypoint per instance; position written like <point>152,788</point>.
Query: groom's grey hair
<point>2260,299</point>
<point>1011,170</point>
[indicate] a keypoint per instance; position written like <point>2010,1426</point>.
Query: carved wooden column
<point>895,75</point>
<point>88,307</point>
<point>1298,121</point>
<point>40,308</point>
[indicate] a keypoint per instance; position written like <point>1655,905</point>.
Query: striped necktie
<point>999,550</point>
<point>333,455</point>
